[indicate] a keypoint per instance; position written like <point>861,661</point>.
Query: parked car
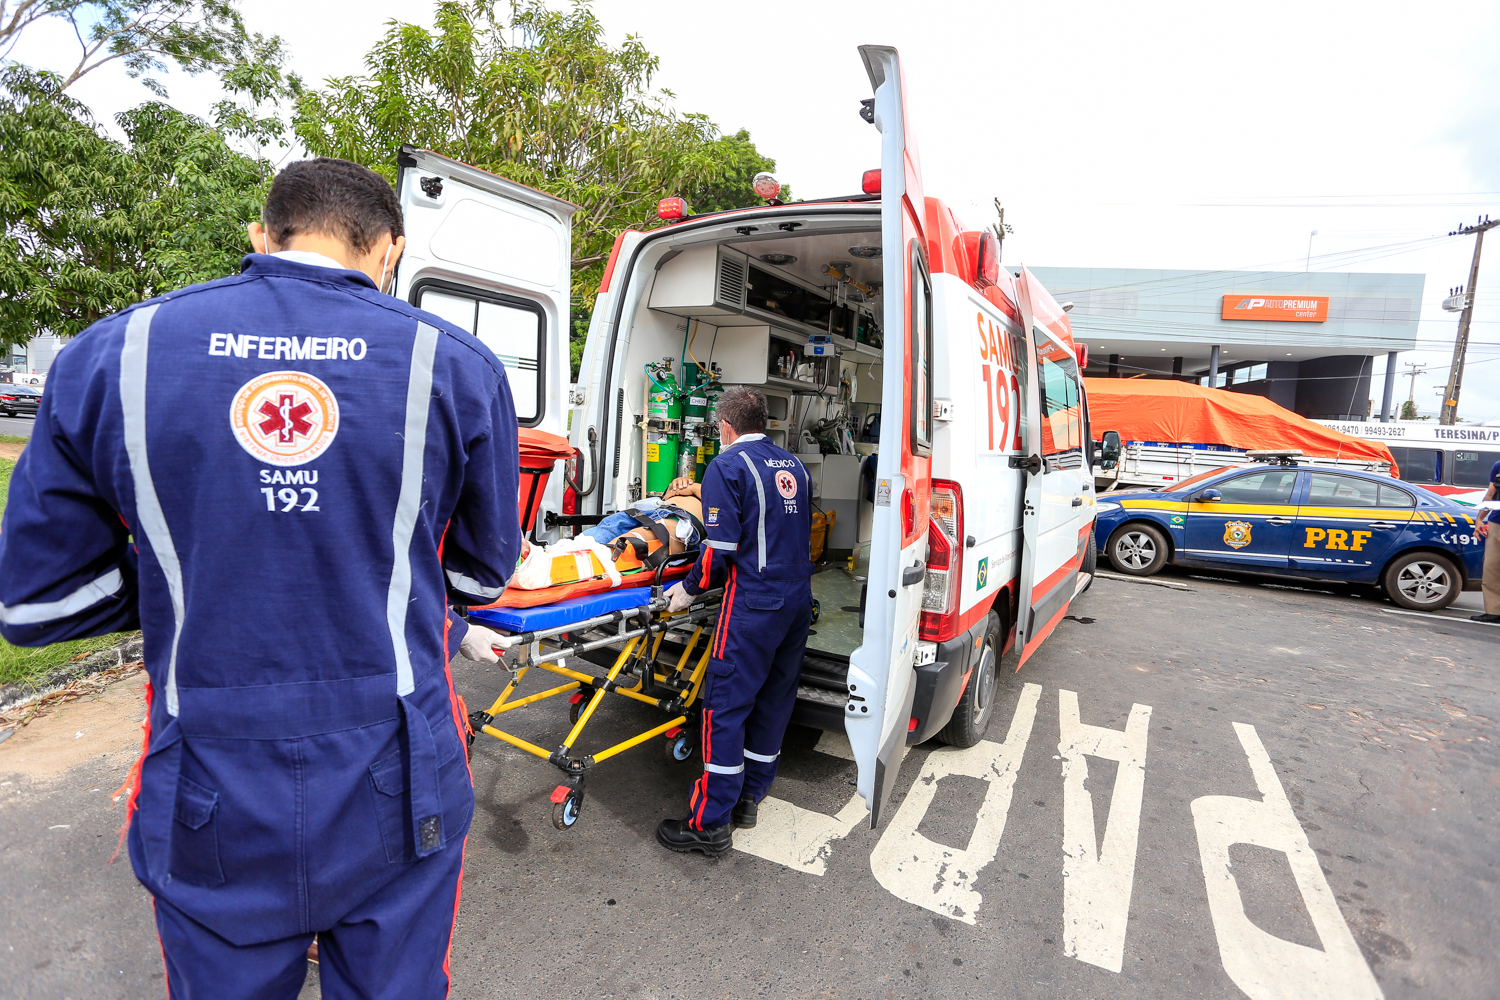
<point>18,399</point>
<point>1300,522</point>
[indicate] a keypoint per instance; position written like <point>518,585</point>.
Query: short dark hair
<point>743,408</point>
<point>335,198</point>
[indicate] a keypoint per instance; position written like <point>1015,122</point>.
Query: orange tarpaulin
<point>1170,412</point>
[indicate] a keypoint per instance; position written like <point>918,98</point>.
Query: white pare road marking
<point>1266,967</point>
<point>1097,885</point>
<point>941,878</point>
<point>796,837</point>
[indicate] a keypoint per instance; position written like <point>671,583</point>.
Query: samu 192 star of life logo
<point>786,484</point>
<point>284,418</point>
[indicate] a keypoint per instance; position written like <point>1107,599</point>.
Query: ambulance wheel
<point>1137,549</point>
<point>681,747</point>
<point>971,716</point>
<point>1090,560</point>
<point>565,813</point>
<point>1423,581</point>
<point>817,610</point>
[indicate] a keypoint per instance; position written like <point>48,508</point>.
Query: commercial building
<point>1306,340</point>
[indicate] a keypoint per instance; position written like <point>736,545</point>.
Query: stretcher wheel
<point>817,610</point>
<point>575,709</point>
<point>681,747</point>
<point>565,813</point>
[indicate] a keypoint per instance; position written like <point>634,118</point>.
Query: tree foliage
<point>545,100</point>
<point>195,35</point>
<point>90,225</point>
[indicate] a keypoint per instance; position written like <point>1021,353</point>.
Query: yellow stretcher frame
<point>674,691</point>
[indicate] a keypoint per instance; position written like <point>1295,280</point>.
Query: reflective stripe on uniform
<point>760,492</point>
<point>409,500</point>
<point>723,546</point>
<point>469,585</point>
<point>721,769</point>
<point>762,757</point>
<point>87,596</point>
<point>153,522</point>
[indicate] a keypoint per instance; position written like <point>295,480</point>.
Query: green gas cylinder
<point>710,446</point>
<point>663,423</point>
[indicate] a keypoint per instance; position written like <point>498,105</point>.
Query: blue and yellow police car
<point>1300,521</point>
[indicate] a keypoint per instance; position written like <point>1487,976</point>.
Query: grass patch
<point>13,439</point>
<point>21,664</point>
<point>6,468</point>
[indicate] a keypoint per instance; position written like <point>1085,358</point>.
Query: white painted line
<point>1264,966</point>
<point>835,745</point>
<point>796,837</point>
<point>1446,618</point>
<point>941,878</point>
<point>1097,885</point>
<point>1142,579</point>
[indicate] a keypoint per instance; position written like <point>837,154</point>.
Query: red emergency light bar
<point>869,182</point>
<point>672,209</point>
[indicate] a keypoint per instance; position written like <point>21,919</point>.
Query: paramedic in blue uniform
<point>758,513</point>
<point>282,478</point>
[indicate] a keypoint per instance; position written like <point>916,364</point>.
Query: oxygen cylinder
<point>664,411</point>
<point>710,446</point>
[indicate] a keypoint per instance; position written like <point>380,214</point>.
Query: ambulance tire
<point>1090,561</point>
<point>976,706</point>
<point>1137,549</point>
<point>1423,581</point>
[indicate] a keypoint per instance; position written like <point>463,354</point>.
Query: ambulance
<point>1451,461</point>
<point>933,395</point>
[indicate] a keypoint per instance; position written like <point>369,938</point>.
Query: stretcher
<point>648,669</point>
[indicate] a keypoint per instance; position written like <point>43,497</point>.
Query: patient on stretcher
<point>642,537</point>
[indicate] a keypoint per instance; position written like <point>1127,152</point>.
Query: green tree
<point>1409,410</point>
<point>90,225</point>
<point>196,35</point>
<point>545,100</point>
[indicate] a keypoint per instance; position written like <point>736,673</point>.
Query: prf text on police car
<point>280,478</point>
<point>757,510</point>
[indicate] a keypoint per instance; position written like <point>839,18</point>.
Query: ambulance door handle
<point>1278,520</point>
<point>1077,502</point>
<point>913,575</point>
<point>1384,524</point>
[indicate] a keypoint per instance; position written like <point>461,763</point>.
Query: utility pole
<point>1449,413</point>
<point>1411,394</point>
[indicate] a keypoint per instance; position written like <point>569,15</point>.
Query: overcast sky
<point>1195,136</point>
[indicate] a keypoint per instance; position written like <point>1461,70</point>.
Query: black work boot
<point>1487,619</point>
<point>676,835</point>
<point>744,815</point>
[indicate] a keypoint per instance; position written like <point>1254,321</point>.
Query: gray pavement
<point>17,426</point>
<point>1298,799</point>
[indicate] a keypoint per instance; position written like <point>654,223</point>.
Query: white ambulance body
<point>973,531</point>
<point>1453,461</point>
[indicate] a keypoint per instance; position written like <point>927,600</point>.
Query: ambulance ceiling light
<point>778,258</point>
<point>766,186</point>
<point>865,251</point>
<point>869,181</point>
<point>672,209</point>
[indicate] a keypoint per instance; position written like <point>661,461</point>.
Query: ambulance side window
<point>921,353</point>
<point>1062,417</point>
<point>514,328</point>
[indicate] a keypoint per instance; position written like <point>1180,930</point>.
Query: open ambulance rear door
<point>493,257</point>
<point>882,678</point>
<point>1055,516</point>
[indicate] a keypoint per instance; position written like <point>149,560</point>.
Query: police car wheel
<point>680,748</point>
<point>1138,549</point>
<point>1423,581</point>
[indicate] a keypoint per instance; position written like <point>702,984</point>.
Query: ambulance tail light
<point>869,182</point>
<point>945,559</point>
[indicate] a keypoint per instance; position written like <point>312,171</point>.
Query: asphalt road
<point>17,426</point>
<point>1287,793</point>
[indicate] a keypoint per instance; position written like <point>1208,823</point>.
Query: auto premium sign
<point>1301,309</point>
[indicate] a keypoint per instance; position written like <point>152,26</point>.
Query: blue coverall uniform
<point>757,509</point>
<point>280,477</point>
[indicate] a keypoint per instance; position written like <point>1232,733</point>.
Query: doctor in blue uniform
<point>757,510</point>
<point>282,478</point>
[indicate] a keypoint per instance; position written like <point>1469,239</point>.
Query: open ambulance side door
<point>882,677</point>
<point>495,258</point>
<point>1050,552</point>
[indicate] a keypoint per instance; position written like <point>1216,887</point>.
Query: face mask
<point>385,264</point>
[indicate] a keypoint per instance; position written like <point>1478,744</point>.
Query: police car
<point>1299,521</point>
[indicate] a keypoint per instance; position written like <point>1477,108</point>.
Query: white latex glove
<point>680,598</point>
<point>478,644</point>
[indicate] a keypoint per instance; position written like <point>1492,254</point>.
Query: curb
<point>24,692</point>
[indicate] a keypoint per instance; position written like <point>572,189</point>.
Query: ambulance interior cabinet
<point>840,492</point>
